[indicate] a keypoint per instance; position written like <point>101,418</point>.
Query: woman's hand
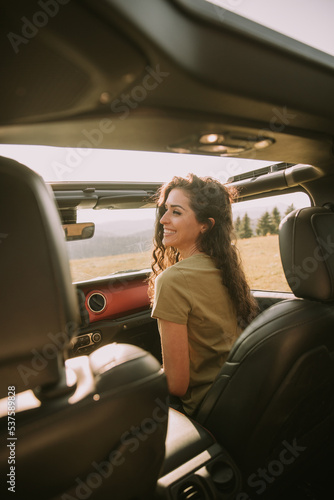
<point>175,356</point>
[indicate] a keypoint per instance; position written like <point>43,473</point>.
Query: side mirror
<point>79,231</point>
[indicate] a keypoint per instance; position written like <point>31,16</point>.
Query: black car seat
<point>92,426</point>
<point>272,405</point>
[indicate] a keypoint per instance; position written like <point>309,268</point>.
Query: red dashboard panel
<point>118,297</point>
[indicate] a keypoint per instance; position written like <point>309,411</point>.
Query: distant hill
<point>113,239</point>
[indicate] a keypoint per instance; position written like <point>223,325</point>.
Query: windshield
<point>123,240</point>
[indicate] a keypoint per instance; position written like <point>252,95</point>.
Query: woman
<point>197,286</point>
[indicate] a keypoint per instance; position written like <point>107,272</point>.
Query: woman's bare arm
<point>175,355</point>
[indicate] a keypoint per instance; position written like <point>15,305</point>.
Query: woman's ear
<point>208,226</point>
<point>213,222</point>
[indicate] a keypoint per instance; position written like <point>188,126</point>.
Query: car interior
<point>84,403</point>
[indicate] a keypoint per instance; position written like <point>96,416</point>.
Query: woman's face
<point>181,228</point>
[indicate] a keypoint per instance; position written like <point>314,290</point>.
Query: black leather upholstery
<point>275,390</point>
<point>92,426</point>
<point>39,310</point>
<point>307,252</point>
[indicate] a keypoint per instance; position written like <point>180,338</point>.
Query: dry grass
<point>260,257</point>
<point>84,269</point>
<point>262,263</point>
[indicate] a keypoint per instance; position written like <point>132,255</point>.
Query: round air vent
<point>97,302</point>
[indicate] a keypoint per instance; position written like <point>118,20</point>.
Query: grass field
<point>260,257</point>
<point>262,263</point>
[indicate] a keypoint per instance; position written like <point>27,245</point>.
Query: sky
<point>69,164</point>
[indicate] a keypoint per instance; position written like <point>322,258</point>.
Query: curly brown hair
<point>208,198</point>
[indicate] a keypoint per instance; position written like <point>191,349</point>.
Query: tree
<point>290,208</point>
<point>245,228</point>
<point>237,226</point>
<point>264,225</point>
<point>275,220</point>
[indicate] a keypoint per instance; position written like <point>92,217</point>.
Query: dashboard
<point>115,309</point>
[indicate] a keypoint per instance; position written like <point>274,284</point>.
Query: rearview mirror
<point>79,231</point>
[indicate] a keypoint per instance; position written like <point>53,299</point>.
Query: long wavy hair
<point>208,198</point>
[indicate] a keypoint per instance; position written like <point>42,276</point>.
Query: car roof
<point>160,76</point>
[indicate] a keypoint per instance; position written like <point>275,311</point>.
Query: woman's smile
<point>181,228</point>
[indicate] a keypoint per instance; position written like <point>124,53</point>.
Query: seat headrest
<point>38,303</point>
<point>306,238</point>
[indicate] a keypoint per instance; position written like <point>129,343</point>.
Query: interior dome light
<point>213,148</point>
<point>211,138</point>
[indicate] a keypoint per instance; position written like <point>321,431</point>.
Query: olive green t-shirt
<point>191,293</point>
